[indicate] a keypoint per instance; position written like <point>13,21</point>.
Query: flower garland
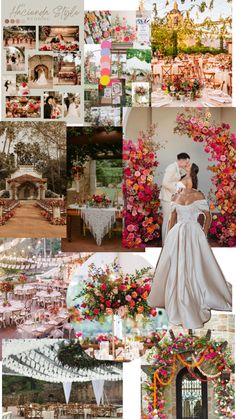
<point>208,353</point>
<point>141,194</point>
<point>220,143</point>
<point>108,291</point>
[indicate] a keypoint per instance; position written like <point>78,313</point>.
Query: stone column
<point>92,172</point>
<point>56,212</point>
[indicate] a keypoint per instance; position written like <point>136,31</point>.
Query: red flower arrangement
<point>220,143</point>
<point>141,194</point>
<point>99,201</point>
<point>108,291</point>
<point>22,279</point>
<point>5,288</point>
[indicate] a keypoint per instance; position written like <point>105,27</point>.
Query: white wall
<point>141,118</point>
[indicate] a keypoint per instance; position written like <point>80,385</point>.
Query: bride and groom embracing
<point>188,281</point>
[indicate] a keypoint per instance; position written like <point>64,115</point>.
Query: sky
<point>221,8</point>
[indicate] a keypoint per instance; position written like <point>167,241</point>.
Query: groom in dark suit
<point>48,107</point>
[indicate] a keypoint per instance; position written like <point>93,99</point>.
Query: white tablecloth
<point>19,290</point>
<point>7,311</point>
<point>210,98</point>
<point>99,221</point>
<point>45,294</point>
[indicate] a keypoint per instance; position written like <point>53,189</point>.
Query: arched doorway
<point>191,396</point>
<point>27,190</point>
<point>40,67</point>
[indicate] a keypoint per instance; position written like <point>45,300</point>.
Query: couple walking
<point>188,281</point>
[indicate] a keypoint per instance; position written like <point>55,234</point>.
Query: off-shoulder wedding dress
<point>188,281</point>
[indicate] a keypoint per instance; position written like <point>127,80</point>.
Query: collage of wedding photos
<point>117,209</point>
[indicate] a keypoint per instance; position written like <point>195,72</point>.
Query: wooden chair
<point>2,320</point>
<point>209,78</point>
<point>229,85</point>
<point>166,72</point>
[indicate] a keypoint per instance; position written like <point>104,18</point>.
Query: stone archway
<point>27,190</point>
<point>44,67</point>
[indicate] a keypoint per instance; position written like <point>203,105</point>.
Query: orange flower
<point>140,309</point>
<point>145,295</point>
<point>109,311</point>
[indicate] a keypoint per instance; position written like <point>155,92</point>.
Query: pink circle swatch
<point>105,59</point>
<point>105,72</point>
<point>105,65</point>
<point>106,44</point>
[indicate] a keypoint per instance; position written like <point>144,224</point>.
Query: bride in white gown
<point>42,78</point>
<point>188,282</point>
<point>72,111</point>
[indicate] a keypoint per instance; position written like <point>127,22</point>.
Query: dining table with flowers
<point>193,94</point>
<point>9,309</point>
<point>98,215</point>
<point>44,323</point>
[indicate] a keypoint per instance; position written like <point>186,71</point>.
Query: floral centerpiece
<point>141,194</point>
<point>49,290</point>
<point>23,107</point>
<point>100,338</point>
<point>101,201</point>
<point>200,355</point>
<point>5,288</point>
<point>179,87</point>
<point>60,46</point>
<point>219,142</point>
<point>122,31</point>
<point>108,291</point>
<point>22,279</point>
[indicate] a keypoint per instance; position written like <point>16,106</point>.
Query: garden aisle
<point>28,222</point>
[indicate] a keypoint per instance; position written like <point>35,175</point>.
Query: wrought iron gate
<point>191,396</point>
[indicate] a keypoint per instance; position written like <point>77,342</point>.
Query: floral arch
<point>206,359</point>
<point>142,221</point>
<point>219,143</point>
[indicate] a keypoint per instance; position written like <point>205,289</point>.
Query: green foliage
<point>20,385</point>
<point>195,50</point>
<point>109,171</point>
<point>175,43</point>
<point>71,354</point>
<point>141,54</point>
